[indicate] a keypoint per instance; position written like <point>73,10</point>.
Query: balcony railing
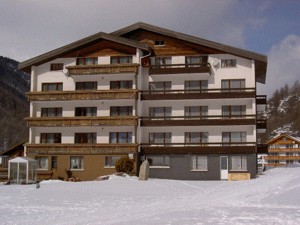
<point>82,95</point>
<point>282,157</point>
<point>262,148</point>
<point>82,121</point>
<point>103,69</point>
<point>261,99</point>
<point>284,150</point>
<point>82,149</point>
<point>198,94</point>
<point>261,124</point>
<point>201,148</point>
<point>210,120</point>
<point>179,68</point>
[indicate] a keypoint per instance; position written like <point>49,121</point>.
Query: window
<point>238,163</point>
<point>193,86</point>
<point>192,61</point>
<point>123,84</point>
<point>42,162</point>
<point>53,162</point>
<point>121,111</point>
<point>289,161</point>
<point>195,137</point>
<point>159,160</point>
<point>110,161</point>
<point>159,43</point>
<point>233,85</point>
<point>160,111</point>
<point>52,86</point>
<point>76,163</point>
<point>50,138</point>
<point>199,163</point>
<point>51,112</point>
<point>86,111</point>
<point>56,66</point>
<point>162,62</point>
<point>191,112</point>
<point>120,59</point>
<point>120,137</point>
<point>160,86</point>
<point>228,63</point>
<point>85,138</point>
<point>232,137</point>
<point>233,110</point>
<point>86,85</point>
<point>87,61</point>
<point>160,138</point>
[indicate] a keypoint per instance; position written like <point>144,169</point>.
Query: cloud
<point>283,64</point>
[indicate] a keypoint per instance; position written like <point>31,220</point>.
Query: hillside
<point>13,103</point>
<point>283,112</point>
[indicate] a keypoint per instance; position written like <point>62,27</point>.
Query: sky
<point>270,27</point>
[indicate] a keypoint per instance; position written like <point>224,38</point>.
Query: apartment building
<point>186,104</point>
<point>283,150</point>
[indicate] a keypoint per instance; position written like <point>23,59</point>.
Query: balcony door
<point>224,167</point>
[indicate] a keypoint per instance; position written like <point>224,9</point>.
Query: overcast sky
<point>272,27</point>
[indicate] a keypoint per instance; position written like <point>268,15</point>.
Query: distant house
<point>13,152</point>
<point>283,150</point>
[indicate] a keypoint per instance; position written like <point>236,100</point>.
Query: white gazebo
<point>22,170</point>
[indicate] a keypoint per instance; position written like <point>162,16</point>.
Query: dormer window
<point>87,61</point>
<point>159,43</point>
<point>228,63</point>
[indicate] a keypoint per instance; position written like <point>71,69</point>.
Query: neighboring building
<point>187,104</point>
<point>12,152</point>
<point>283,150</point>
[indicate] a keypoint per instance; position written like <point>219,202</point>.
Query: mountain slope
<point>13,103</point>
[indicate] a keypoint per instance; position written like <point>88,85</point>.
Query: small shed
<point>22,170</point>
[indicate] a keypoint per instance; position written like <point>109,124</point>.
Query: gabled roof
<point>284,135</point>
<point>260,60</point>
<point>14,148</point>
<point>26,65</point>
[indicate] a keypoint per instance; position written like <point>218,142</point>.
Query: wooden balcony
<point>179,68</point>
<point>201,148</point>
<point>270,150</point>
<point>198,94</point>
<point>82,121</point>
<point>282,157</point>
<point>211,120</point>
<point>80,149</point>
<point>262,148</point>
<point>261,124</point>
<point>103,69</point>
<point>275,164</point>
<point>82,95</point>
<point>261,99</point>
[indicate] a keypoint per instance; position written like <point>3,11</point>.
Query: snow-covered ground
<point>273,198</point>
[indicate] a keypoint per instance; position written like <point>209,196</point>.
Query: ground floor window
<point>42,162</point>
<point>76,163</point>
<point>199,162</point>
<point>159,160</point>
<point>110,161</point>
<point>53,162</point>
<point>238,163</point>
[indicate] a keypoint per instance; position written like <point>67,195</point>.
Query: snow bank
<point>273,198</point>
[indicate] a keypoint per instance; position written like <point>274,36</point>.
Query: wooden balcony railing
<point>261,124</point>
<point>198,94</point>
<point>179,68</point>
<point>200,148</point>
<point>262,148</point>
<point>282,157</point>
<point>82,95</point>
<point>275,164</point>
<point>270,150</point>
<point>210,120</point>
<point>261,99</point>
<point>82,121</point>
<point>103,69</point>
<point>80,149</point>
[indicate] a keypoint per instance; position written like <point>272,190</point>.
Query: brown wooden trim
<point>261,99</point>
<point>284,150</point>
<point>103,69</point>
<point>80,149</point>
<point>262,149</point>
<point>200,150</point>
<point>282,157</point>
<point>82,121</point>
<point>82,95</point>
<point>201,94</point>
<point>261,124</point>
<point>197,122</point>
<point>275,164</point>
<point>179,68</point>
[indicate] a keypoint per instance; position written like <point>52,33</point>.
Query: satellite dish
<point>216,63</point>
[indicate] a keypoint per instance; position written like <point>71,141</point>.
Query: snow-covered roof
<point>22,159</point>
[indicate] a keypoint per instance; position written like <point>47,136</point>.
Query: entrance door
<point>224,167</point>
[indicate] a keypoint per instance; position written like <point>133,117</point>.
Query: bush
<point>125,165</point>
